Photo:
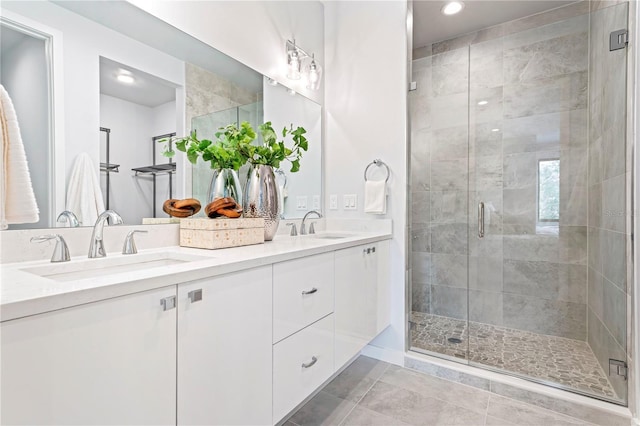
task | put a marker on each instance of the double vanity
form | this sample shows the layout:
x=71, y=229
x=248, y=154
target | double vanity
x=174, y=335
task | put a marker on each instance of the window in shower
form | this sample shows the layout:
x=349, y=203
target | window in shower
x=549, y=191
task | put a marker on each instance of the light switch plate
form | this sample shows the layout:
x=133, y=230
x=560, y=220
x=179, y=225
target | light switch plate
x=333, y=202
x=350, y=201
x=301, y=202
x=316, y=202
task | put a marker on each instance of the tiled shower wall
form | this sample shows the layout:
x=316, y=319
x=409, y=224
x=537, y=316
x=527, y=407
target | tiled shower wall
x=608, y=177
x=533, y=74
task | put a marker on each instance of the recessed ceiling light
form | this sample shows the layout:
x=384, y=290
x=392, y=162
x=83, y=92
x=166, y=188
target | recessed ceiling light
x=481, y=103
x=452, y=8
x=125, y=78
x=495, y=130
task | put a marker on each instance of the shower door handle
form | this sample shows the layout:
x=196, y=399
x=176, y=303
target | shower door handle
x=481, y=220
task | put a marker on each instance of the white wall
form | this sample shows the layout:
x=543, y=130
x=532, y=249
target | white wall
x=24, y=76
x=282, y=110
x=84, y=42
x=132, y=128
x=252, y=32
x=365, y=103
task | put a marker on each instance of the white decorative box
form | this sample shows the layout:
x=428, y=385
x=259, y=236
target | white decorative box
x=221, y=233
x=159, y=220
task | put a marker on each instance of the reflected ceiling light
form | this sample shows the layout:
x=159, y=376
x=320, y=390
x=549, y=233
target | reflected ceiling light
x=452, y=7
x=271, y=82
x=295, y=58
x=125, y=78
x=482, y=103
x=291, y=92
x=495, y=130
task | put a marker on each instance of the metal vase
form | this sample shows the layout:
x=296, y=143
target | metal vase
x=261, y=198
x=225, y=183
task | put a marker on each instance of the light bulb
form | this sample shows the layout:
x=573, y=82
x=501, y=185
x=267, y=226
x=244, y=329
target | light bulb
x=452, y=8
x=125, y=78
x=293, y=72
x=315, y=73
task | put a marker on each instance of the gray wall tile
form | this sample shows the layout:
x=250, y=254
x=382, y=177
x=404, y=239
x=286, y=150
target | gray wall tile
x=545, y=316
x=449, y=301
x=546, y=280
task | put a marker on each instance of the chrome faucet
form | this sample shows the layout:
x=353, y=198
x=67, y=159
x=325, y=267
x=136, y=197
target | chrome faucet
x=68, y=217
x=303, y=229
x=96, y=247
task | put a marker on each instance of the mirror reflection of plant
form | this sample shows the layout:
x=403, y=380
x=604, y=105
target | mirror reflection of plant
x=271, y=152
x=224, y=153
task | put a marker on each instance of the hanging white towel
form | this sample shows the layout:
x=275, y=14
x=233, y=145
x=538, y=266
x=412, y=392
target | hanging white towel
x=375, y=197
x=84, y=196
x=17, y=199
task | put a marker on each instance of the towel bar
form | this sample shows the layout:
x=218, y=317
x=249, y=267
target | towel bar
x=377, y=162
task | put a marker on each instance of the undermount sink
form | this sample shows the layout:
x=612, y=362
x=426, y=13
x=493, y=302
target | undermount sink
x=329, y=236
x=89, y=268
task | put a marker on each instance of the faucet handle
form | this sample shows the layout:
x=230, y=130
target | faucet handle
x=129, y=243
x=294, y=231
x=60, y=252
x=312, y=228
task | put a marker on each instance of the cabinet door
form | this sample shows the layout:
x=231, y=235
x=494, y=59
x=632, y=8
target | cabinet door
x=109, y=362
x=225, y=350
x=356, y=309
x=383, y=280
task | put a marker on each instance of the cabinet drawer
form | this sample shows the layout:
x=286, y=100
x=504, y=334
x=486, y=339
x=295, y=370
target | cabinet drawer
x=293, y=377
x=303, y=292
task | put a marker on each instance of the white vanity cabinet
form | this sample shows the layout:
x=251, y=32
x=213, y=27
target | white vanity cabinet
x=225, y=349
x=303, y=330
x=107, y=362
x=362, y=300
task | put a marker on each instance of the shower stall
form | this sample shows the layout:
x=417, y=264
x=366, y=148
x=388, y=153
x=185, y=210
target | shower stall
x=520, y=200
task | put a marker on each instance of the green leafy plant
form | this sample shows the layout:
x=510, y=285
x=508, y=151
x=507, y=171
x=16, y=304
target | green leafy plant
x=224, y=153
x=272, y=151
x=234, y=147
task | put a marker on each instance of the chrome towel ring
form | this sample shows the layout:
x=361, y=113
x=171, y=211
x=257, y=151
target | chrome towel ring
x=379, y=163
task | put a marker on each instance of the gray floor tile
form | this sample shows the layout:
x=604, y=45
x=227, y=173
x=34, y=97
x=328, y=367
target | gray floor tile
x=414, y=408
x=455, y=393
x=505, y=409
x=322, y=409
x=361, y=416
x=356, y=379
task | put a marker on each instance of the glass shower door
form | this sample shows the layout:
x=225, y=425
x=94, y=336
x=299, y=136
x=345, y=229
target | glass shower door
x=439, y=197
x=548, y=223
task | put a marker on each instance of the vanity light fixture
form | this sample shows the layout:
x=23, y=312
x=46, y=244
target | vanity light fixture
x=295, y=58
x=452, y=7
x=315, y=73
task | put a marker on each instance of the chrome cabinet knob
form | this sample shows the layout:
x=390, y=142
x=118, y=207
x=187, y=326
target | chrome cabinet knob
x=195, y=295
x=168, y=303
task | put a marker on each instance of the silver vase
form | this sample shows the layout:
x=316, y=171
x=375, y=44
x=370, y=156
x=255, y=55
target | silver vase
x=261, y=198
x=225, y=183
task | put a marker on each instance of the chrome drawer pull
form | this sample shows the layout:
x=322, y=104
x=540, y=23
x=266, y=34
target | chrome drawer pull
x=195, y=295
x=313, y=290
x=168, y=303
x=310, y=363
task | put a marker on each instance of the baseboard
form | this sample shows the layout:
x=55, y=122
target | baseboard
x=384, y=354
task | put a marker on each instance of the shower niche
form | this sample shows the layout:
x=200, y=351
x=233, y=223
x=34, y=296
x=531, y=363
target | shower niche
x=520, y=231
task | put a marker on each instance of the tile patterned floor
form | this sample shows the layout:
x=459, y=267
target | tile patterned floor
x=371, y=392
x=565, y=361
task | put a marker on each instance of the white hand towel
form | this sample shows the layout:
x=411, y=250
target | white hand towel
x=17, y=199
x=375, y=197
x=84, y=196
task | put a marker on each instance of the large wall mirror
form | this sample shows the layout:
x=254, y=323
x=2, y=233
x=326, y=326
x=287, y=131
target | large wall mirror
x=96, y=84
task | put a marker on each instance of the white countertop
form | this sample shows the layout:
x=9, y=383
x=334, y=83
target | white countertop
x=24, y=293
